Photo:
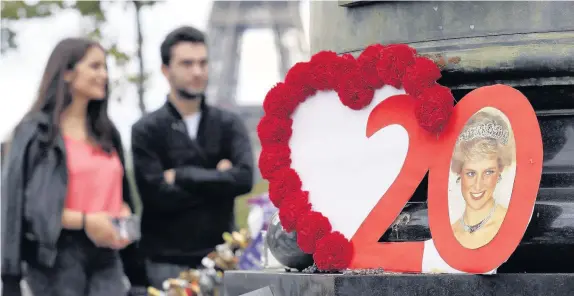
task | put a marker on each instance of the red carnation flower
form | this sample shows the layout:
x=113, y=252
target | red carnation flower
x=296, y=74
x=372, y=52
x=311, y=227
x=346, y=65
x=423, y=74
x=298, y=80
x=292, y=207
x=434, y=107
x=274, y=158
x=323, y=70
x=354, y=91
x=348, y=57
x=368, y=64
x=285, y=182
x=280, y=101
x=324, y=57
x=393, y=63
x=334, y=252
x=274, y=130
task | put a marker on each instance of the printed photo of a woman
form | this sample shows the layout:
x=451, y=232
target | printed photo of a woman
x=483, y=153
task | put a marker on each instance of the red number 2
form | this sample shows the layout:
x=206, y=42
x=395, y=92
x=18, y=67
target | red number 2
x=426, y=152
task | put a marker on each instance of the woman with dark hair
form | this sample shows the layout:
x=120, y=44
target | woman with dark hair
x=64, y=183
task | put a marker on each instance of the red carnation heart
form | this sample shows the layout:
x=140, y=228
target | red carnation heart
x=355, y=81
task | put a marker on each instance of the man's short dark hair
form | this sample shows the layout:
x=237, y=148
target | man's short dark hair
x=181, y=34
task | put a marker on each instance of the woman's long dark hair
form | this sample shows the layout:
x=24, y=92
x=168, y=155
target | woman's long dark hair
x=54, y=94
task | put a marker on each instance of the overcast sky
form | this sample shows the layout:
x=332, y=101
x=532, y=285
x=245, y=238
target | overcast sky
x=21, y=70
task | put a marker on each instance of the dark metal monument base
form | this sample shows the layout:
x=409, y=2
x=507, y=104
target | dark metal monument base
x=275, y=283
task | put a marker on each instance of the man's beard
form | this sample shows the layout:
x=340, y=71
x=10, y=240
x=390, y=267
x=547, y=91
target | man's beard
x=189, y=96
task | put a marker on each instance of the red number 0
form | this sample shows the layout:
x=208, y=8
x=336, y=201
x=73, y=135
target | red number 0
x=426, y=152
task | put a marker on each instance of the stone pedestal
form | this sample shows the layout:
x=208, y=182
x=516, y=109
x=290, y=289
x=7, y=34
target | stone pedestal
x=277, y=283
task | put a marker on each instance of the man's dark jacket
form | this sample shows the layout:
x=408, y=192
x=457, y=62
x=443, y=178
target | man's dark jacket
x=34, y=188
x=182, y=222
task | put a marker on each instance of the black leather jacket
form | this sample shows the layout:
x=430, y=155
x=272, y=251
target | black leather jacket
x=34, y=187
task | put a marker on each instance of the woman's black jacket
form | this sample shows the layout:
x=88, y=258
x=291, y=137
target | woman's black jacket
x=34, y=187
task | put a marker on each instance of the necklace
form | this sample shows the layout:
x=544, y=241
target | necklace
x=475, y=227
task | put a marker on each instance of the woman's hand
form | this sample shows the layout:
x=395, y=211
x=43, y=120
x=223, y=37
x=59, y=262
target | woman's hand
x=122, y=242
x=99, y=227
x=101, y=231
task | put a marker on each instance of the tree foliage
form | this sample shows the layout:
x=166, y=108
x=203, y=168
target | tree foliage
x=92, y=12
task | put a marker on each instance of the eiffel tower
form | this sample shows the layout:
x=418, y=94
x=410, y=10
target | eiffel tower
x=228, y=21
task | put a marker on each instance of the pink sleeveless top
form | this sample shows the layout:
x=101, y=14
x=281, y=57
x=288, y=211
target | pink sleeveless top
x=94, y=179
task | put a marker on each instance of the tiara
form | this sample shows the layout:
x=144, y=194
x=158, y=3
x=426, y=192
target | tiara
x=486, y=130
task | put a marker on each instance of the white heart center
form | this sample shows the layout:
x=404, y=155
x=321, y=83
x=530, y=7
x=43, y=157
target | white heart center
x=345, y=172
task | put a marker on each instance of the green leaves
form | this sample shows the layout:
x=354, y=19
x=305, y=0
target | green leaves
x=120, y=57
x=136, y=78
x=90, y=8
x=15, y=10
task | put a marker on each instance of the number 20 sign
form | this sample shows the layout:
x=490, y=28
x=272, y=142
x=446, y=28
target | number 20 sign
x=358, y=167
x=471, y=251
